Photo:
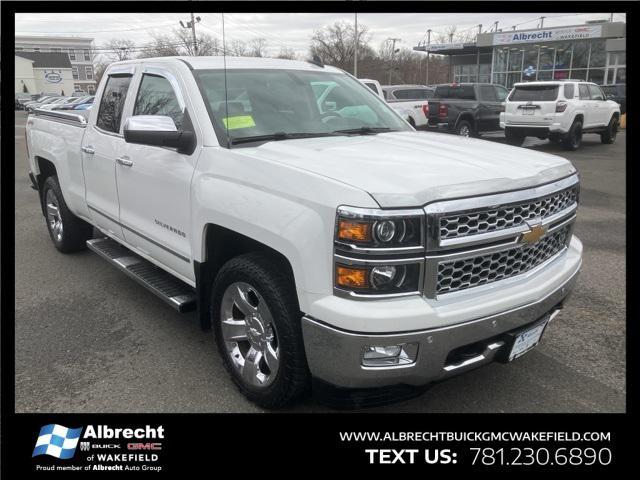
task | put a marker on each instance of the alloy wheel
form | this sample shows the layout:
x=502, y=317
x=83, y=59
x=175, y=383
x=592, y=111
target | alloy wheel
x=249, y=334
x=53, y=215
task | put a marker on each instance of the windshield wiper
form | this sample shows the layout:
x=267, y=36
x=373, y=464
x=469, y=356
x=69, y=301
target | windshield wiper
x=365, y=130
x=279, y=136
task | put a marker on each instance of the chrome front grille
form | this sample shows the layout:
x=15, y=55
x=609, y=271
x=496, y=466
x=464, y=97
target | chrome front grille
x=484, y=221
x=482, y=269
x=476, y=241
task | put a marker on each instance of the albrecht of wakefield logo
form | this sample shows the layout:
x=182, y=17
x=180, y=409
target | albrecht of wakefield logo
x=57, y=441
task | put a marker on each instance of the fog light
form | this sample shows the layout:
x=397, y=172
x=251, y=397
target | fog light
x=389, y=355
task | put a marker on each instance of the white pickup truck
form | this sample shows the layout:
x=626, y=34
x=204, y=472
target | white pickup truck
x=410, y=101
x=335, y=244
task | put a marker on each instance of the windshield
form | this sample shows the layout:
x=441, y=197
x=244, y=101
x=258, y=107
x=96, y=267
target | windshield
x=262, y=103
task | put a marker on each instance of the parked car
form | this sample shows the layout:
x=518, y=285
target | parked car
x=31, y=106
x=83, y=106
x=561, y=111
x=57, y=103
x=76, y=102
x=618, y=94
x=79, y=93
x=334, y=244
x=21, y=99
x=408, y=100
x=467, y=109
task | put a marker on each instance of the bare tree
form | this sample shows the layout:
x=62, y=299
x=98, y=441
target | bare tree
x=257, y=47
x=335, y=44
x=237, y=48
x=99, y=66
x=287, y=53
x=180, y=42
x=118, y=49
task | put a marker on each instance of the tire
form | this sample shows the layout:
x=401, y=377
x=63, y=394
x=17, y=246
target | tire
x=464, y=129
x=610, y=134
x=412, y=122
x=68, y=233
x=271, y=333
x=573, y=139
x=513, y=138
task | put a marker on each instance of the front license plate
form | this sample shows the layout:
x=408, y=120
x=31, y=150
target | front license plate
x=526, y=340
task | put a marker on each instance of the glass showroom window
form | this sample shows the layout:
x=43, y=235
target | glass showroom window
x=616, y=68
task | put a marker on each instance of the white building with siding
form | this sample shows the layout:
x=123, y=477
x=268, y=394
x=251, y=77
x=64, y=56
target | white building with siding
x=79, y=50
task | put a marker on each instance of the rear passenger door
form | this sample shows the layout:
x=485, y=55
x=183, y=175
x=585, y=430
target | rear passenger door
x=101, y=145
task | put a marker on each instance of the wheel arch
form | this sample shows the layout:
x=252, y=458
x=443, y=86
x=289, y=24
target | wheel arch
x=219, y=245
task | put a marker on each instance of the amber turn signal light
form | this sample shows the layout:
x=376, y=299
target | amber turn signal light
x=358, y=231
x=351, y=277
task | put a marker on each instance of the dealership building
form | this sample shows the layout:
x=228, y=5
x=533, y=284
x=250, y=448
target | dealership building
x=594, y=51
x=43, y=73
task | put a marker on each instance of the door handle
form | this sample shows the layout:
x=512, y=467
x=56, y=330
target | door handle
x=124, y=161
x=88, y=149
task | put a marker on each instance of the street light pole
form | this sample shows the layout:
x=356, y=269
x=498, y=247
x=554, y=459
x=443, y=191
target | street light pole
x=393, y=54
x=192, y=26
x=428, y=53
x=355, y=52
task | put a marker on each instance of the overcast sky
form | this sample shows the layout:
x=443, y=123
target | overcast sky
x=282, y=30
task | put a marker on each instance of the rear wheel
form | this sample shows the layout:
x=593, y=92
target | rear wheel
x=573, y=139
x=68, y=233
x=256, y=323
x=610, y=134
x=464, y=129
x=513, y=138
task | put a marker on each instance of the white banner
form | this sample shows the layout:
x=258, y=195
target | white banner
x=445, y=46
x=548, y=35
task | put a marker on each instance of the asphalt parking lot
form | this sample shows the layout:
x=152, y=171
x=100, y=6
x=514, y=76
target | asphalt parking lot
x=88, y=339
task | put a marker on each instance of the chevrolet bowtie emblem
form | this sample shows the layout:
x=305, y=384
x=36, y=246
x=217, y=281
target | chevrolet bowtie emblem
x=534, y=234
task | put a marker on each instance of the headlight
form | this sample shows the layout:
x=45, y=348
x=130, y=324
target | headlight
x=378, y=253
x=379, y=228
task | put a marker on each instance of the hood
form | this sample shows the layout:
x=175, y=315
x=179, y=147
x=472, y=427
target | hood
x=409, y=169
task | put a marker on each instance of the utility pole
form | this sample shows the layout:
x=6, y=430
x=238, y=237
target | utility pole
x=611, y=18
x=542, y=22
x=393, y=54
x=496, y=27
x=355, y=52
x=192, y=26
x=428, y=53
x=479, y=29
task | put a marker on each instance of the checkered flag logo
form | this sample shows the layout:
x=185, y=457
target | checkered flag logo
x=57, y=441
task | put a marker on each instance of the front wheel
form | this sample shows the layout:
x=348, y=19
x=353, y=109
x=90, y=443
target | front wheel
x=68, y=232
x=257, y=329
x=610, y=134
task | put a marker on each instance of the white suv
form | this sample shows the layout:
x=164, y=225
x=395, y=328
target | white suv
x=559, y=110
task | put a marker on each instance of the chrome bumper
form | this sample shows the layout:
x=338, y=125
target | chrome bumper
x=335, y=356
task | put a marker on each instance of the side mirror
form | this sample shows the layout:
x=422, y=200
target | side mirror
x=159, y=131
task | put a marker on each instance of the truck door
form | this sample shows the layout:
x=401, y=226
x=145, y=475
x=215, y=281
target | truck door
x=489, y=108
x=101, y=145
x=600, y=107
x=154, y=183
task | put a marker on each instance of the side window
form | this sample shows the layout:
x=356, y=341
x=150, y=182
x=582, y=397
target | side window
x=112, y=102
x=569, y=90
x=595, y=92
x=402, y=94
x=584, y=92
x=501, y=93
x=442, y=92
x=487, y=93
x=156, y=97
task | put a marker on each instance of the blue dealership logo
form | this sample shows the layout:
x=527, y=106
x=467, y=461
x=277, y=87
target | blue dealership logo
x=57, y=441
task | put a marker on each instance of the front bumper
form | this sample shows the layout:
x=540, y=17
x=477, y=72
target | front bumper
x=335, y=355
